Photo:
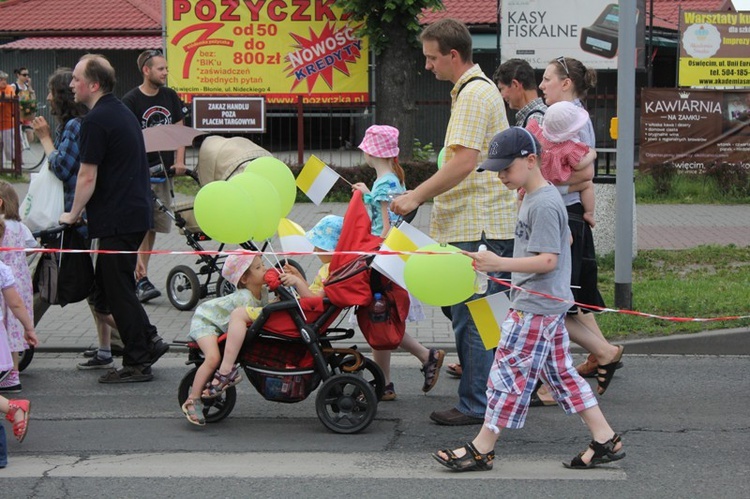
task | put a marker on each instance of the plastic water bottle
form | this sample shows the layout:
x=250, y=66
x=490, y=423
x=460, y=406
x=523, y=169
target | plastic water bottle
x=379, y=308
x=481, y=282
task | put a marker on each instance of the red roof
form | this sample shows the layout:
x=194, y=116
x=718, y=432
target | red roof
x=666, y=12
x=468, y=11
x=80, y=15
x=146, y=15
x=86, y=43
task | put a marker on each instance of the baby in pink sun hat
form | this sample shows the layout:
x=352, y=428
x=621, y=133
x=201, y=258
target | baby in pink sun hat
x=563, y=153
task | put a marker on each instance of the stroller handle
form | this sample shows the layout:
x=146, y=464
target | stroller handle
x=51, y=231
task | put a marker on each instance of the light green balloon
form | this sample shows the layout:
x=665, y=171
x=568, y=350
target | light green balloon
x=441, y=158
x=224, y=212
x=264, y=199
x=440, y=280
x=282, y=178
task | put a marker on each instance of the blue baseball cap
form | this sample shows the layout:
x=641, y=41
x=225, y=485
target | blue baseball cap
x=506, y=146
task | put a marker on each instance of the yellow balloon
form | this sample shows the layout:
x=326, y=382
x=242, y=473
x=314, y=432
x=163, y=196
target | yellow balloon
x=224, y=212
x=440, y=280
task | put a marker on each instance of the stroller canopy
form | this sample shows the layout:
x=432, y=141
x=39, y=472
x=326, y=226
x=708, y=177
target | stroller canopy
x=220, y=158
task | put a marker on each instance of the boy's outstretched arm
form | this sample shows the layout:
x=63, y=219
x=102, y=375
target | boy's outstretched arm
x=487, y=261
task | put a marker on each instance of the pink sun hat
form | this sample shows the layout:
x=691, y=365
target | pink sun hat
x=235, y=267
x=381, y=141
x=563, y=120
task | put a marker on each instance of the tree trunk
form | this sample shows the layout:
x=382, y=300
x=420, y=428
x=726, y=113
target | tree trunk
x=395, y=82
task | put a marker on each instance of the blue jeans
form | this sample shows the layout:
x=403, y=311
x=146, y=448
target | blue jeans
x=3, y=448
x=474, y=358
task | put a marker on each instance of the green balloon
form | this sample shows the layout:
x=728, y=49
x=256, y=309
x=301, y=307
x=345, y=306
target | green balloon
x=282, y=178
x=441, y=158
x=224, y=212
x=440, y=280
x=264, y=199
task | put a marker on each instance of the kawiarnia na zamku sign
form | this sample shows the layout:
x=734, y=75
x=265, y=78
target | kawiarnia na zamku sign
x=279, y=49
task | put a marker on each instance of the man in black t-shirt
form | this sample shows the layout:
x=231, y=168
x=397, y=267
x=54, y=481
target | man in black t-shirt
x=113, y=187
x=154, y=104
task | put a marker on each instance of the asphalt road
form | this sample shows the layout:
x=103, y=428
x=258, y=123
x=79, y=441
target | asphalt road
x=684, y=421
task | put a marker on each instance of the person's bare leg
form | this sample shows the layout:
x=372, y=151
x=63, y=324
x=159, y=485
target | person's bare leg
x=236, y=332
x=599, y=428
x=141, y=267
x=383, y=359
x=414, y=347
x=584, y=331
x=210, y=348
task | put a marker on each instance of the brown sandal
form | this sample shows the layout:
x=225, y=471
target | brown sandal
x=223, y=381
x=431, y=368
x=473, y=460
x=193, y=411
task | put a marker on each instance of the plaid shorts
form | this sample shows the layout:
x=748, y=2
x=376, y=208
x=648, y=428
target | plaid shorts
x=532, y=345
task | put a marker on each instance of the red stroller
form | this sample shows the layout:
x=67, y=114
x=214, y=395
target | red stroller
x=286, y=355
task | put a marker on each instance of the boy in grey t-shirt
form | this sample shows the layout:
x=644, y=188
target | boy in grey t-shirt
x=534, y=340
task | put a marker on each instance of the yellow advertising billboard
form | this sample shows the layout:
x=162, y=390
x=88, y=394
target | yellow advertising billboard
x=714, y=49
x=279, y=49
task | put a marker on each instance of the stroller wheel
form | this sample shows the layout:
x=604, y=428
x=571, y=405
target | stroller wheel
x=183, y=287
x=24, y=358
x=224, y=287
x=346, y=403
x=215, y=409
x=370, y=372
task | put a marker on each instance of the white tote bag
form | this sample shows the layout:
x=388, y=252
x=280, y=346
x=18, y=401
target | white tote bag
x=45, y=201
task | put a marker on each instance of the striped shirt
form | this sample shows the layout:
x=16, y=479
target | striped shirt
x=480, y=202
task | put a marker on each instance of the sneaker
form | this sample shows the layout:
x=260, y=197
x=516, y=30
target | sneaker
x=11, y=383
x=146, y=291
x=96, y=362
x=128, y=374
x=157, y=348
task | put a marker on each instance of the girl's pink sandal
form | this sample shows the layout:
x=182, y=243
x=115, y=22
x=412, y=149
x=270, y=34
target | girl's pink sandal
x=19, y=427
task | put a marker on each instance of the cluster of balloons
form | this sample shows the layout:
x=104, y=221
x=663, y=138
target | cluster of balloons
x=440, y=280
x=248, y=206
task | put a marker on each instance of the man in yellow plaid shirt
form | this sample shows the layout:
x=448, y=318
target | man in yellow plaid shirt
x=470, y=208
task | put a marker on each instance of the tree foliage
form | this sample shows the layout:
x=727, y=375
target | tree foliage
x=378, y=14
x=392, y=27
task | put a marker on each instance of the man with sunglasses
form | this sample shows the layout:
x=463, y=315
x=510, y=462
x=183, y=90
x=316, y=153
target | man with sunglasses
x=154, y=104
x=27, y=97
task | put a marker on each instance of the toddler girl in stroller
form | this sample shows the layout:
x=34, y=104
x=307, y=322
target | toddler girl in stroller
x=324, y=237
x=211, y=318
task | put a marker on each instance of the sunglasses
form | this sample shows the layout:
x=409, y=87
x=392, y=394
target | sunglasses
x=24, y=74
x=151, y=55
x=564, y=64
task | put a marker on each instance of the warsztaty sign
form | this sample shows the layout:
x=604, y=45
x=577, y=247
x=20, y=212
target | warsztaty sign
x=714, y=49
x=229, y=114
x=694, y=128
x=278, y=48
